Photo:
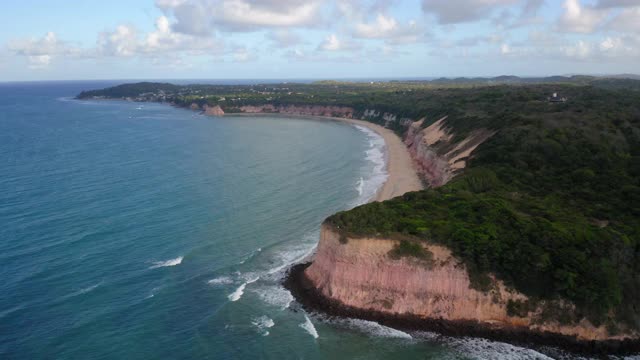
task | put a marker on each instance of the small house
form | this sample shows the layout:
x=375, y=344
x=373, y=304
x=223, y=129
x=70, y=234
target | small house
x=554, y=98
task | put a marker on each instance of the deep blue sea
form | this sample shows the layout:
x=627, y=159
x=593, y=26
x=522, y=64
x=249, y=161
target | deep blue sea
x=143, y=231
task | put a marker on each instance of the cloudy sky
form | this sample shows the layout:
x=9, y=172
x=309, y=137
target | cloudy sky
x=277, y=39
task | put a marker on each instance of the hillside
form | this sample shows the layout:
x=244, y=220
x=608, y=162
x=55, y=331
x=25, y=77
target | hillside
x=548, y=202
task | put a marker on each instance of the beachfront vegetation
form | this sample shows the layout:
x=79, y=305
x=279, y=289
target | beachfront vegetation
x=550, y=203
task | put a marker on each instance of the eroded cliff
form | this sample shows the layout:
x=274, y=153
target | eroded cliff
x=437, y=157
x=363, y=274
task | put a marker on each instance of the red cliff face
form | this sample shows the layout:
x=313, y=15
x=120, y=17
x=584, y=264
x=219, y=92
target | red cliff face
x=213, y=110
x=437, y=158
x=361, y=274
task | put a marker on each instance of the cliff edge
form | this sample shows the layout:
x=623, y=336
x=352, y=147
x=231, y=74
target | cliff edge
x=361, y=277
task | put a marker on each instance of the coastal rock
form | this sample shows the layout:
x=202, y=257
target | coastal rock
x=437, y=158
x=213, y=110
x=359, y=273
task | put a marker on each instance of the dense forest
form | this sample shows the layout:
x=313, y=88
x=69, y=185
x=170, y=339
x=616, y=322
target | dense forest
x=550, y=203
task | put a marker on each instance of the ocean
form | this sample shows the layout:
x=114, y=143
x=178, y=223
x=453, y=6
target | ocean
x=144, y=231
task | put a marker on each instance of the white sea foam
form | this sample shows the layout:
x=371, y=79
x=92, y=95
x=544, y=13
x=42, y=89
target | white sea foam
x=78, y=292
x=88, y=288
x=222, y=280
x=296, y=254
x=153, y=291
x=251, y=255
x=482, y=349
x=263, y=323
x=376, y=154
x=371, y=328
x=171, y=262
x=275, y=295
x=236, y=295
x=308, y=326
x=360, y=186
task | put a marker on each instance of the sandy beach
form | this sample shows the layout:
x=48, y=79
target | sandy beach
x=402, y=174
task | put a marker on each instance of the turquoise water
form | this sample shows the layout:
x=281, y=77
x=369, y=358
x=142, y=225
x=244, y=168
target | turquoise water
x=140, y=231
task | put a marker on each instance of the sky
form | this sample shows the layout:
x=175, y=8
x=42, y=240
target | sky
x=315, y=39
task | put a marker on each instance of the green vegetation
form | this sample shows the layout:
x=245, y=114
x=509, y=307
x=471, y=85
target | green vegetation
x=408, y=248
x=518, y=308
x=550, y=203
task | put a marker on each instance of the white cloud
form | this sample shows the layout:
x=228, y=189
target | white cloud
x=39, y=61
x=628, y=20
x=580, y=50
x=201, y=17
x=334, y=43
x=283, y=38
x=125, y=41
x=40, y=52
x=460, y=11
x=319, y=56
x=241, y=54
x=581, y=19
x=387, y=28
x=616, y=3
x=528, y=15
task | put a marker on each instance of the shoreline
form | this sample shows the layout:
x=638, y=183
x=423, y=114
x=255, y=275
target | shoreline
x=401, y=171
x=312, y=300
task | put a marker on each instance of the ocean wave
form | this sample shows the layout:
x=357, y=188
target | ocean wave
x=82, y=291
x=88, y=289
x=292, y=257
x=371, y=328
x=4, y=313
x=236, y=295
x=171, y=262
x=275, y=295
x=153, y=292
x=293, y=254
x=251, y=255
x=376, y=155
x=307, y=325
x=222, y=280
x=481, y=349
x=263, y=323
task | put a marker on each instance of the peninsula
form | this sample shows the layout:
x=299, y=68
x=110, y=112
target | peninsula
x=528, y=230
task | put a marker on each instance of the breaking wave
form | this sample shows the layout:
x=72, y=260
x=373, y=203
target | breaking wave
x=275, y=295
x=263, y=323
x=171, y=262
x=376, y=154
x=236, y=295
x=222, y=280
x=307, y=325
x=371, y=328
